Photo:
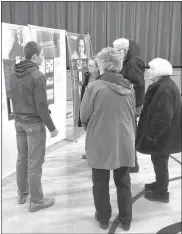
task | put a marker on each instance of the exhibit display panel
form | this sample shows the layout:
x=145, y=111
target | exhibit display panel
x=14, y=38
x=79, y=46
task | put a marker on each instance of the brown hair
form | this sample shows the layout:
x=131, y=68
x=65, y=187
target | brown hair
x=31, y=48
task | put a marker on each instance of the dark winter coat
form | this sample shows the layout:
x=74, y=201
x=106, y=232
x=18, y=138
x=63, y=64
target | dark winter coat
x=133, y=70
x=29, y=97
x=159, y=128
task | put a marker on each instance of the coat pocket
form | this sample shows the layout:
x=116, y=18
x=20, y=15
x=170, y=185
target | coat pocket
x=147, y=145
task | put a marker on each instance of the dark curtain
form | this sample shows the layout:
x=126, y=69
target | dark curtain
x=156, y=26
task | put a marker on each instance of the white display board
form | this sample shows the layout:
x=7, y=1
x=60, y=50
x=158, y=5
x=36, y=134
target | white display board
x=54, y=47
x=14, y=37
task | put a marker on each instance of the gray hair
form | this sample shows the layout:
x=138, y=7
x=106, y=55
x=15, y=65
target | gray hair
x=110, y=60
x=162, y=67
x=121, y=43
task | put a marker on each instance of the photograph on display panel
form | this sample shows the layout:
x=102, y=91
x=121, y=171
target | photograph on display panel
x=17, y=47
x=13, y=43
x=14, y=38
x=50, y=42
x=79, y=46
x=49, y=75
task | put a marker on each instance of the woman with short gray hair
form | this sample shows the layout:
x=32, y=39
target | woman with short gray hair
x=108, y=115
x=110, y=60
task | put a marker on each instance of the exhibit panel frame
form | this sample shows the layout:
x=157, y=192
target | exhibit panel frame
x=80, y=51
x=14, y=38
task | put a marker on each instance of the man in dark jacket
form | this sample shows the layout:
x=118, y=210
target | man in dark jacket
x=133, y=70
x=31, y=114
x=159, y=127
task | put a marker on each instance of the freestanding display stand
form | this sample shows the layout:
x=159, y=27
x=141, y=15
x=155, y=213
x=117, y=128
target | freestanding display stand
x=79, y=47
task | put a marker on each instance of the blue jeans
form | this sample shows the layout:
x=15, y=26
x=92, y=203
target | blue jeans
x=31, y=143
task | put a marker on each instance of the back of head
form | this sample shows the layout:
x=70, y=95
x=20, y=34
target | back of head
x=121, y=44
x=134, y=49
x=109, y=60
x=161, y=67
x=31, y=48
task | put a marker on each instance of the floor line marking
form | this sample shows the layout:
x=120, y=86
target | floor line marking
x=175, y=159
x=115, y=223
x=135, y=198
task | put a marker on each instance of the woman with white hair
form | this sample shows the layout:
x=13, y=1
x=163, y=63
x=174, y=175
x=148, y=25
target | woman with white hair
x=159, y=128
x=108, y=114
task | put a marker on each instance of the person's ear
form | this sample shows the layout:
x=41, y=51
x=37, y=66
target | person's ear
x=34, y=56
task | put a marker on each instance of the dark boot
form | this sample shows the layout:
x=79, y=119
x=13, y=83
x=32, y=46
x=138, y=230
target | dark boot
x=151, y=186
x=126, y=226
x=154, y=195
x=103, y=224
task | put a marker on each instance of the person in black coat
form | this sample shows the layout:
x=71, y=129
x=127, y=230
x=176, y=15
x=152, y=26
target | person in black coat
x=159, y=127
x=133, y=70
x=89, y=77
x=16, y=53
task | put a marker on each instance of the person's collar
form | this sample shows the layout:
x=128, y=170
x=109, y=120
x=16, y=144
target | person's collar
x=95, y=74
x=161, y=80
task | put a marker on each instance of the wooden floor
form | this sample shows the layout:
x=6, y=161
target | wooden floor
x=67, y=178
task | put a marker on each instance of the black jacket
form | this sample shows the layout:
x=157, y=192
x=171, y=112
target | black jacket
x=29, y=97
x=85, y=83
x=159, y=128
x=133, y=70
